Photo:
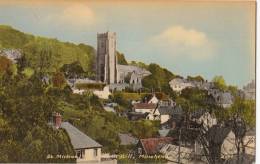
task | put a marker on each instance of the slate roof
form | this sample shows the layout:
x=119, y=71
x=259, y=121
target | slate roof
x=127, y=139
x=136, y=115
x=198, y=113
x=144, y=106
x=78, y=139
x=170, y=110
x=153, y=145
x=130, y=68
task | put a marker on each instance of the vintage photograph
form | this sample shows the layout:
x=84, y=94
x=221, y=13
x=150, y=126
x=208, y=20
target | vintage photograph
x=128, y=81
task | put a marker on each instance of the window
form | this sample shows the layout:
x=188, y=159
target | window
x=80, y=153
x=95, y=152
x=139, y=150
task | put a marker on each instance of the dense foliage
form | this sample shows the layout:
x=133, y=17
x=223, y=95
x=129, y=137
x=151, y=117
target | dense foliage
x=121, y=58
x=25, y=109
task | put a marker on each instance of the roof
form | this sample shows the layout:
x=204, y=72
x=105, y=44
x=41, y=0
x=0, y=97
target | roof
x=136, y=115
x=170, y=110
x=144, y=106
x=127, y=139
x=131, y=68
x=153, y=145
x=198, y=113
x=79, y=139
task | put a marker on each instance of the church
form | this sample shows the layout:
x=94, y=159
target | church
x=109, y=71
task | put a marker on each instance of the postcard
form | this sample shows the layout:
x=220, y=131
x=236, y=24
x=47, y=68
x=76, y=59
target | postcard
x=109, y=81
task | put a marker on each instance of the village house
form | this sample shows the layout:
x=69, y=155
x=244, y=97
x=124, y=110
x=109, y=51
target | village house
x=165, y=113
x=152, y=146
x=249, y=91
x=222, y=98
x=102, y=93
x=86, y=149
x=229, y=149
x=145, y=108
x=178, y=84
x=204, y=118
x=153, y=100
x=175, y=121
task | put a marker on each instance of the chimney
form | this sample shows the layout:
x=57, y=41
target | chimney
x=57, y=120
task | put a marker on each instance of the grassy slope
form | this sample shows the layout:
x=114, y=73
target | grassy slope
x=65, y=51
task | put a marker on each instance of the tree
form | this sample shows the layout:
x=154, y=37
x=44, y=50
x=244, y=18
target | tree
x=73, y=70
x=25, y=110
x=5, y=65
x=219, y=82
x=121, y=58
x=58, y=80
x=196, y=78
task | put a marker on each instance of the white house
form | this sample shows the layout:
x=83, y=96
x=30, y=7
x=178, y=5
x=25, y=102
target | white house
x=164, y=113
x=153, y=100
x=229, y=150
x=178, y=84
x=87, y=150
x=144, y=107
x=205, y=118
x=104, y=94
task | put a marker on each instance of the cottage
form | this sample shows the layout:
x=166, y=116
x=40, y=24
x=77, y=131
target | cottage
x=178, y=84
x=144, y=107
x=153, y=100
x=223, y=99
x=152, y=146
x=164, y=113
x=204, y=118
x=87, y=150
x=103, y=94
x=249, y=91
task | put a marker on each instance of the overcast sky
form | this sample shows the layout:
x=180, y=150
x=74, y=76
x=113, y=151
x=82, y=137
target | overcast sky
x=188, y=38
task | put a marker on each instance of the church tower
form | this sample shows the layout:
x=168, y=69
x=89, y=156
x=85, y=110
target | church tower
x=106, y=69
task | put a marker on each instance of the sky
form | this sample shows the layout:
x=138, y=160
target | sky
x=205, y=38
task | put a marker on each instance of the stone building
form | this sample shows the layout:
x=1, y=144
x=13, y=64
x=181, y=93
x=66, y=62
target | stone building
x=110, y=72
x=106, y=58
x=249, y=91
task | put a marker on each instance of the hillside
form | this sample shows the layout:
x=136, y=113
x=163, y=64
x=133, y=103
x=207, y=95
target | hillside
x=63, y=52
